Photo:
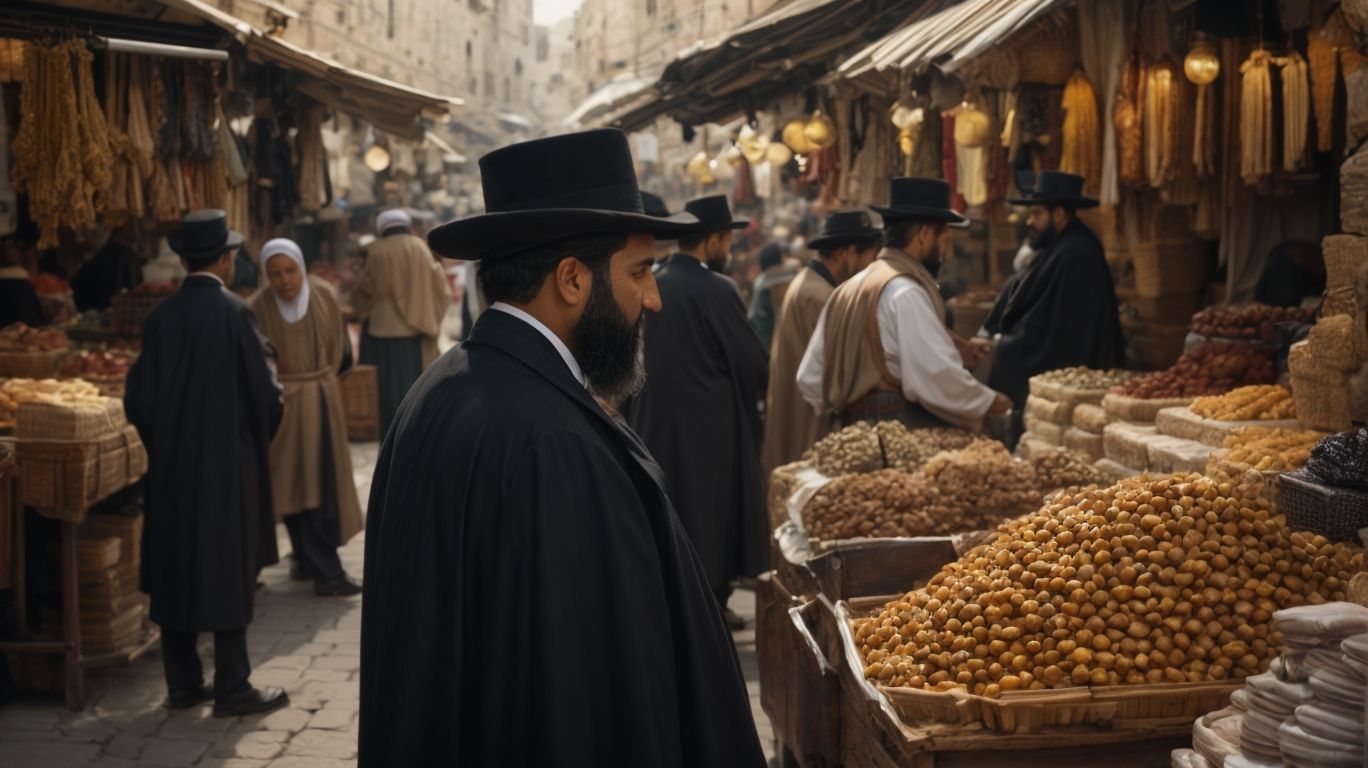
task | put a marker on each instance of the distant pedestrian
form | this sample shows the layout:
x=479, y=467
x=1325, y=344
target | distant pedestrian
x=311, y=469
x=776, y=273
x=402, y=295
x=699, y=412
x=206, y=404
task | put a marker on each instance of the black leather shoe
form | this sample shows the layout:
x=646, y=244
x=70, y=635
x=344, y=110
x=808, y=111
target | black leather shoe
x=188, y=699
x=341, y=587
x=299, y=571
x=252, y=701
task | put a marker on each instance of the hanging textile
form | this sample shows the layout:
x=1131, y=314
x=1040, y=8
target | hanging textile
x=949, y=169
x=1128, y=118
x=312, y=159
x=1256, y=117
x=1102, y=49
x=1204, y=132
x=1182, y=187
x=1082, y=153
x=973, y=134
x=999, y=173
x=1161, y=123
x=926, y=154
x=1296, y=103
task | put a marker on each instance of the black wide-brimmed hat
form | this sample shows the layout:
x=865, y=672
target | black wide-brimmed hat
x=1056, y=188
x=540, y=191
x=915, y=197
x=203, y=235
x=713, y=214
x=842, y=228
x=654, y=205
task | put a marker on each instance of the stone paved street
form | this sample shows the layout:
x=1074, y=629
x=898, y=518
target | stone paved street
x=308, y=645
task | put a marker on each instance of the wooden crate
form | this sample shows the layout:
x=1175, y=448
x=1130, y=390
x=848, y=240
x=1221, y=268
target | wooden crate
x=361, y=401
x=799, y=688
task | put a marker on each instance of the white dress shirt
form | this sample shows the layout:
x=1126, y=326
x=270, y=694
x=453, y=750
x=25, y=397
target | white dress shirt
x=564, y=351
x=918, y=350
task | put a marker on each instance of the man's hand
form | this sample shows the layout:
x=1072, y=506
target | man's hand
x=969, y=352
x=1001, y=404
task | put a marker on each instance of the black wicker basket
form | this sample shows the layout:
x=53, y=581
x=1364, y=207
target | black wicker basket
x=1335, y=513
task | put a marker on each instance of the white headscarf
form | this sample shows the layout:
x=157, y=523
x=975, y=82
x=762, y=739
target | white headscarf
x=292, y=311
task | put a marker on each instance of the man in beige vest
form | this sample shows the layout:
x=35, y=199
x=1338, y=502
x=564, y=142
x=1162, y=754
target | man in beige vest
x=846, y=245
x=402, y=295
x=881, y=349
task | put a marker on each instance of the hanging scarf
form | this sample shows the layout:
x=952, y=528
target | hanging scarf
x=1129, y=119
x=1296, y=103
x=1204, y=133
x=1161, y=123
x=1256, y=118
x=292, y=310
x=1082, y=153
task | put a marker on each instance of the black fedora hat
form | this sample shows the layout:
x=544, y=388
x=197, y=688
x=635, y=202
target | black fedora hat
x=540, y=191
x=842, y=228
x=654, y=205
x=203, y=235
x=1056, y=188
x=916, y=197
x=713, y=214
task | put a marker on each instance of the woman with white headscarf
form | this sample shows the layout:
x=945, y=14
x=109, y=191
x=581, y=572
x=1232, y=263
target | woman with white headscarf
x=311, y=471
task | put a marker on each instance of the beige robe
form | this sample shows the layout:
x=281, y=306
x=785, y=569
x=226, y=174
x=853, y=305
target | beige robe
x=402, y=292
x=309, y=355
x=791, y=425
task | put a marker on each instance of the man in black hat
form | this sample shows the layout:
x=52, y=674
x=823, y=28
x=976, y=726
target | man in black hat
x=881, y=349
x=1061, y=310
x=206, y=405
x=847, y=244
x=524, y=564
x=699, y=411
x=654, y=205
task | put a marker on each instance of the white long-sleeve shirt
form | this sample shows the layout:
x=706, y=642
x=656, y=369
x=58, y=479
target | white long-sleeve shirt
x=918, y=350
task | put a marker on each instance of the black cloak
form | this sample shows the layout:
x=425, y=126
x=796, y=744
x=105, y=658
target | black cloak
x=19, y=303
x=206, y=405
x=1060, y=311
x=706, y=373
x=530, y=596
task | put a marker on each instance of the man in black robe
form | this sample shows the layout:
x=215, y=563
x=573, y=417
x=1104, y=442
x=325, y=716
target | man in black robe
x=115, y=267
x=18, y=298
x=206, y=404
x=530, y=596
x=699, y=411
x=1061, y=310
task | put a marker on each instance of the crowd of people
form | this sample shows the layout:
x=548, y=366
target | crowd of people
x=564, y=502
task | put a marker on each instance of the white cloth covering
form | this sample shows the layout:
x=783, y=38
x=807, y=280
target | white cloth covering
x=570, y=361
x=394, y=217
x=292, y=310
x=917, y=349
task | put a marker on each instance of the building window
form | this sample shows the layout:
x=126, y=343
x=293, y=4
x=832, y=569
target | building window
x=650, y=7
x=517, y=66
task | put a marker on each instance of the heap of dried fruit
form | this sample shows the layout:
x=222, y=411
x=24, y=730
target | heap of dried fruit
x=886, y=503
x=1062, y=468
x=1254, y=321
x=1269, y=450
x=853, y=449
x=1173, y=579
x=18, y=337
x=1254, y=403
x=1211, y=369
x=982, y=484
x=1087, y=378
x=865, y=447
x=910, y=448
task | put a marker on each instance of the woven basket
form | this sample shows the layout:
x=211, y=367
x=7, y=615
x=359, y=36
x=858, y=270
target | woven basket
x=1167, y=267
x=40, y=421
x=31, y=365
x=1090, y=418
x=1086, y=443
x=361, y=400
x=128, y=311
x=1049, y=410
x=1139, y=410
x=1335, y=513
x=1048, y=431
x=63, y=479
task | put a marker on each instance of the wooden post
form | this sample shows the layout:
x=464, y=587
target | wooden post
x=71, y=620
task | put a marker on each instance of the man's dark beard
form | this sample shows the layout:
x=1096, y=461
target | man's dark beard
x=1040, y=240
x=607, y=346
x=718, y=264
x=933, y=265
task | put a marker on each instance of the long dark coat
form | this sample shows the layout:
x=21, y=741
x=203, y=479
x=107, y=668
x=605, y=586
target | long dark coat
x=530, y=596
x=1060, y=311
x=206, y=405
x=706, y=373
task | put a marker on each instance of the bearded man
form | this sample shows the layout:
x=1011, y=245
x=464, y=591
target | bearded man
x=699, y=413
x=523, y=561
x=1061, y=310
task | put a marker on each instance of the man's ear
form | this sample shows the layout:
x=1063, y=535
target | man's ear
x=572, y=280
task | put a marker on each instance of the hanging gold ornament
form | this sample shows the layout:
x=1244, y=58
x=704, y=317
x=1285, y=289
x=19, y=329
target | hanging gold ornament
x=377, y=158
x=1202, y=65
x=820, y=130
x=795, y=138
x=733, y=156
x=721, y=169
x=753, y=145
x=778, y=153
x=907, y=141
x=697, y=165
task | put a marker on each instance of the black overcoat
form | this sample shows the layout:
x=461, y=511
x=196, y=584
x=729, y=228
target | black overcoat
x=206, y=404
x=530, y=597
x=1061, y=311
x=706, y=374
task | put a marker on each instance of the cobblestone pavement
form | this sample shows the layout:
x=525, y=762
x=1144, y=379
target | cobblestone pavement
x=309, y=646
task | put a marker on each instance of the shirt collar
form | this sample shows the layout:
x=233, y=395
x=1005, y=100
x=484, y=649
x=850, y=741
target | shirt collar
x=817, y=266
x=209, y=275
x=564, y=351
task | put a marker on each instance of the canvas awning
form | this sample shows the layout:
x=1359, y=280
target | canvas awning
x=392, y=107
x=618, y=92
x=949, y=38
x=788, y=48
